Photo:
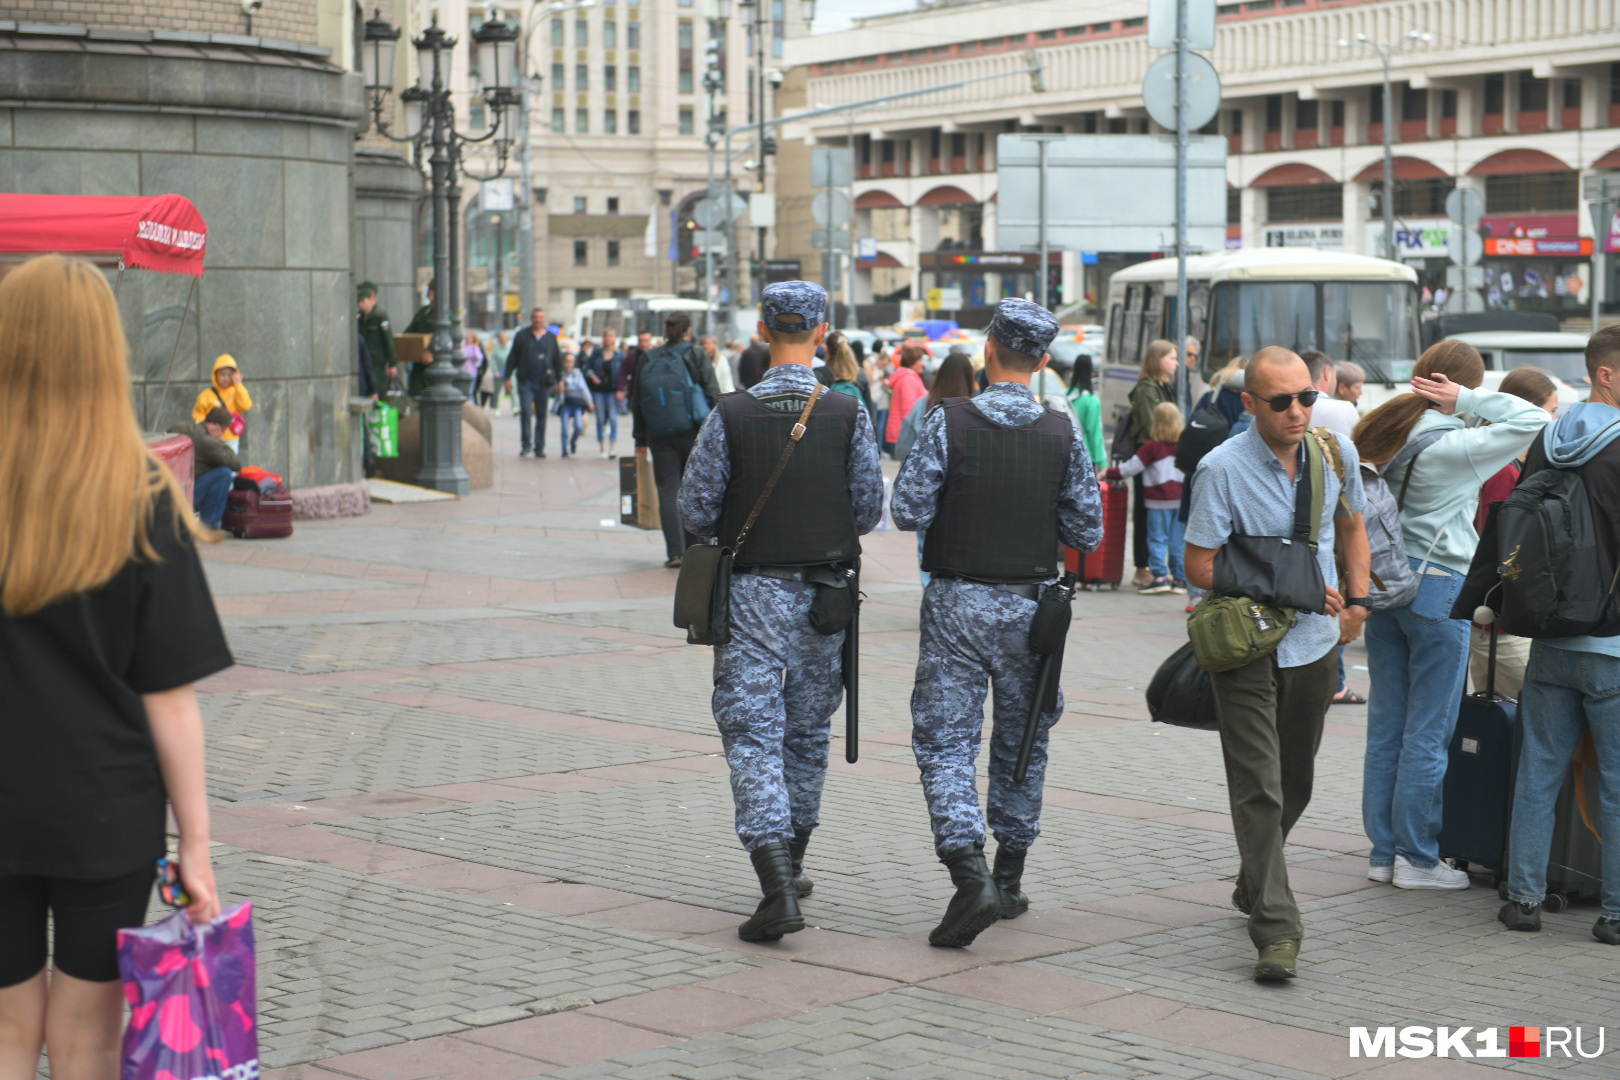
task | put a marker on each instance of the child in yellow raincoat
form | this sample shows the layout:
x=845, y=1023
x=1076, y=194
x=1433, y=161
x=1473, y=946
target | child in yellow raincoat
x=229, y=391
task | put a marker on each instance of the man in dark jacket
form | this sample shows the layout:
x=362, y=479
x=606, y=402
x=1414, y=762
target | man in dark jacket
x=537, y=361
x=216, y=464
x=671, y=449
x=378, y=335
x=753, y=362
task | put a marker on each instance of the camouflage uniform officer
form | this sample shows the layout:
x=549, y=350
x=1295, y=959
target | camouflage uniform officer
x=374, y=327
x=997, y=481
x=778, y=681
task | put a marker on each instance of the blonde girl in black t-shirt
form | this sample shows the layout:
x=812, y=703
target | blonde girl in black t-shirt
x=105, y=623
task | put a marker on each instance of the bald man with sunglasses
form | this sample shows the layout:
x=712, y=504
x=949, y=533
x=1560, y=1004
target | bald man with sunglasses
x=1271, y=709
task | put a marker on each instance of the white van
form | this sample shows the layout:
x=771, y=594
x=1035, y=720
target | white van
x=1563, y=356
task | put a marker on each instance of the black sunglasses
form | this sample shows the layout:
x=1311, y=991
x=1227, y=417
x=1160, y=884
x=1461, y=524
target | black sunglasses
x=1281, y=402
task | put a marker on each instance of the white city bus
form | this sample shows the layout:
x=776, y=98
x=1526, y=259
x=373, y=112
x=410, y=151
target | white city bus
x=1352, y=307
x=628, y=316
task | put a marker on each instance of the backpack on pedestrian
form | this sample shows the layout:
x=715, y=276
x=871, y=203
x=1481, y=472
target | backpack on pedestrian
x=1555, y=578
x=1206, y=429
x=671, y=402
x=1393, y=581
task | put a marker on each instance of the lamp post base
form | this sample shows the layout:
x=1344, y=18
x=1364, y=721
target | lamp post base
x=441, y=432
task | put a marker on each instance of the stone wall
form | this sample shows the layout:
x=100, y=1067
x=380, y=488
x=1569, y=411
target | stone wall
x=261, y=140
x=285, y=20
x=387, y=193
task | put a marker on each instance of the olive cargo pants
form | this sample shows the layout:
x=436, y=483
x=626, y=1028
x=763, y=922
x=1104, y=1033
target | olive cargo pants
x=1271, y=725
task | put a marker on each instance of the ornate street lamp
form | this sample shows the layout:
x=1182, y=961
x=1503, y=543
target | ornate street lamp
x=428, y=117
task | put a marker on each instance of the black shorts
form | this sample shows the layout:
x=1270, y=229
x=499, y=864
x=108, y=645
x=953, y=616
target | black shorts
x=87, y=917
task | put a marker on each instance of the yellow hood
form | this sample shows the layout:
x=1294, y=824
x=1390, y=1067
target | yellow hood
x=226, y=360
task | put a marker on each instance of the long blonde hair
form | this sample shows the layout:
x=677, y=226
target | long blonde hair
x=78, y=487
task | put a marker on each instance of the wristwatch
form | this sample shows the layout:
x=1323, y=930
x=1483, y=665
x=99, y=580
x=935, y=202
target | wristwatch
x=1356, y=601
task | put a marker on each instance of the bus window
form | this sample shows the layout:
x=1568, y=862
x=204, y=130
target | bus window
x=1116, y=334
x=1374, y=323
x=1152, y=319
x=1130, y=350
x=1250, y=315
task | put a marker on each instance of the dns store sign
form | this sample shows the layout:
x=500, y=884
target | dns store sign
x=1468, y=1042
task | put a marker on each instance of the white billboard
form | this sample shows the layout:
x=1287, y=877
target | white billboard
x=1110, y=193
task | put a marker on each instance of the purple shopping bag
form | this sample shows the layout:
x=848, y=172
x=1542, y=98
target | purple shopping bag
x=191, y=999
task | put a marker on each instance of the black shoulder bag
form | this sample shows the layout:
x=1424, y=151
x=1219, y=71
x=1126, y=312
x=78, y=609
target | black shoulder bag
x=703, y=589
x=1281, y=571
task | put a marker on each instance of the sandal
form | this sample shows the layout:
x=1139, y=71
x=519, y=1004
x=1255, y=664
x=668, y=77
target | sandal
x=1348, y=696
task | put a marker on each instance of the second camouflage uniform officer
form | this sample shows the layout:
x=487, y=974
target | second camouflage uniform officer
x=999, y=482
x=778, y=680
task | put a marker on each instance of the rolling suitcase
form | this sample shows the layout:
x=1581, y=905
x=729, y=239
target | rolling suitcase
x=1106, y=565
x=254, y=515
x=1481, y=765
x=1477, y=811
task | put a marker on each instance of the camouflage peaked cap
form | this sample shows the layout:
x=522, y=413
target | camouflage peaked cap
x=1023, y=326
x=805, y=299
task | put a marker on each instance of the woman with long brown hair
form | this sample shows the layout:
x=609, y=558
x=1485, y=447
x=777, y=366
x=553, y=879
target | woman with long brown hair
x=1417, y=655
x=105, y=623
x=1153, y=387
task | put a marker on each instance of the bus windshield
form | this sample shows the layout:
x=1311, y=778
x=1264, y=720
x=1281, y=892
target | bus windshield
x=1374, y=323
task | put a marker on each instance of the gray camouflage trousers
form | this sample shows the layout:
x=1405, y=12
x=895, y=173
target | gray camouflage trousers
x=776, y=686
x=974, y=638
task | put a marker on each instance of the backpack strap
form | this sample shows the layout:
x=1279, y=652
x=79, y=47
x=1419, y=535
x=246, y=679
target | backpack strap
x=1308, y=494
x=1409, y=454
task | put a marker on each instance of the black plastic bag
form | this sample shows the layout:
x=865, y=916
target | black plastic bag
x=1182, y=693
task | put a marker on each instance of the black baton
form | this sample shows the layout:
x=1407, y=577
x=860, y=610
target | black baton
x=1048, y=633
x=852, y=674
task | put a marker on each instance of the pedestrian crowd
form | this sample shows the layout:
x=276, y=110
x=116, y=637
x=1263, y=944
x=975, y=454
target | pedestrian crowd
x=1299, y=537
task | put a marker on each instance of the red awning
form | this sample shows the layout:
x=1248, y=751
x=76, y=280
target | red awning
x=1294, y=174
x=1406, y=168
x=158, y=232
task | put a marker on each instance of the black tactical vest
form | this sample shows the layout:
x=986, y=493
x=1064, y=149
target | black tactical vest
x=809, y=519
x=997, y=517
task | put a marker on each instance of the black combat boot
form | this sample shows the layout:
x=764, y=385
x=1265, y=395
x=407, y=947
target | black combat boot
x=796, y=846
x=778, y=913
x=1009, y=878
x=976, y=904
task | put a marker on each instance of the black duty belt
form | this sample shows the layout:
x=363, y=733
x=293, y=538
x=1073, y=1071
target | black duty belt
x=1027, y=591
x=825, y=574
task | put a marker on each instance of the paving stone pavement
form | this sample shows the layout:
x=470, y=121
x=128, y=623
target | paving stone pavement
x=467, y=773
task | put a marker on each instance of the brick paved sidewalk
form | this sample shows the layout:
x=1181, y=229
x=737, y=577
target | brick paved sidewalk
x=466, y=771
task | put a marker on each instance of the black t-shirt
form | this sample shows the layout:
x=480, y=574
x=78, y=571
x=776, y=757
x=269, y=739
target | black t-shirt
x=81, y=795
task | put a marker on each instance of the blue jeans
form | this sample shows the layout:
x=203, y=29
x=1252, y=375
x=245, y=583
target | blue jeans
x=607, y=416
x=532, y=403
x=1166, y=544
x=1418, y=661
x=210, y=492
x=572, y=422
x=1564, y=691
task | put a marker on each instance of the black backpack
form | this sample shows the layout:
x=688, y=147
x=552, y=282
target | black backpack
x=1206, y=429
x=1555, y=579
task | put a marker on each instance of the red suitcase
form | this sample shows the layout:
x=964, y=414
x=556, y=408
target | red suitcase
x=250, y=515
x=1106, y=565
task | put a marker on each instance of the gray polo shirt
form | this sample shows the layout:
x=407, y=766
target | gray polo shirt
x=1242, y=489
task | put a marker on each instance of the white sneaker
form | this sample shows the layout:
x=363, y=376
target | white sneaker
x=1380, y=874
x=1438, y=876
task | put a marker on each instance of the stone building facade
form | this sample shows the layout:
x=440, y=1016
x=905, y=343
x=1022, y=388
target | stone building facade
x=146, y=98
x=1520, y=101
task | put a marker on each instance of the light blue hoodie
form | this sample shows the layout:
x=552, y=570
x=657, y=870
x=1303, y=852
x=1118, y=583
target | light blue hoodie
x=1440, y=504
x=1571, y=441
